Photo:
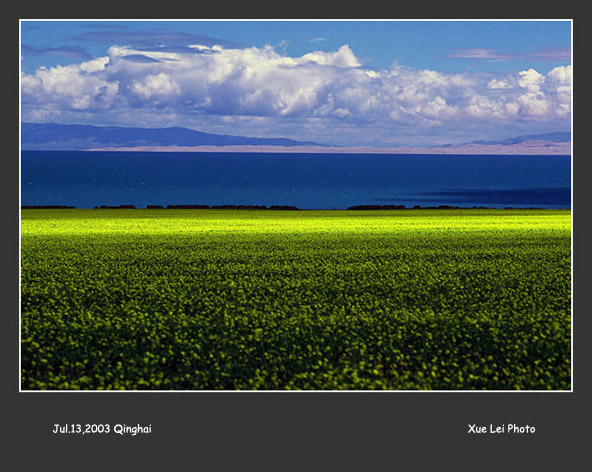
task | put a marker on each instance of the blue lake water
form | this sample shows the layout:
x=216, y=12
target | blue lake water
x=308, y=181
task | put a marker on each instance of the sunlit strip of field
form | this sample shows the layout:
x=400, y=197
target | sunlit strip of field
x=85, y=222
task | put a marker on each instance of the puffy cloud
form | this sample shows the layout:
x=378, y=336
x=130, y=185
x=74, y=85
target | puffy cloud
x=342, y=113
x=498, y=84
x=320, y=89
x=94, y=65
x=531, y=80
x=156, y=86
x=438, y=108
x=344, y=57
x=533, y=104
x=76, y=86
x=560, y=75
x=484, y=107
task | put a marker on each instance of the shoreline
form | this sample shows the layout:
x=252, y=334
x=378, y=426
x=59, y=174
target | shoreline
x=282, y=208
x=540, y=149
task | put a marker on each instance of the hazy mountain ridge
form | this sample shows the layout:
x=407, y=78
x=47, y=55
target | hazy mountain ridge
x=556, y=137
x=59, y=137
x=50, y=136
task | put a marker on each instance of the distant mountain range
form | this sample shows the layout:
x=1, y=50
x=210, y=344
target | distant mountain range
x=557, y=137
x=50, y=136
x=59, y=137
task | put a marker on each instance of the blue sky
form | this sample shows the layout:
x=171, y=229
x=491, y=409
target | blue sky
x=364, y=83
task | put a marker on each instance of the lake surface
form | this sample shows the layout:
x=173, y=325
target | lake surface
x=308, y=181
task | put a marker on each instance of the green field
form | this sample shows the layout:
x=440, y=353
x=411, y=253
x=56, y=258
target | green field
x=206, y=299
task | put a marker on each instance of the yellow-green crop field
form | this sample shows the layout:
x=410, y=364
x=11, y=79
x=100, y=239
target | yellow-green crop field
x=276, y=300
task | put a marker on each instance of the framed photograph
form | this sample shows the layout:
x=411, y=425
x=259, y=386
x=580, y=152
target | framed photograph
x=315, y=232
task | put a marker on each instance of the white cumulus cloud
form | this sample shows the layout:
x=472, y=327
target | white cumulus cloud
x=323, y=89
x=159, y=86
x=498, y=84
x=531, y=80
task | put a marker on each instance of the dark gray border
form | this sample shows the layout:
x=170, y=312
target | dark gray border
x=313, y=431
